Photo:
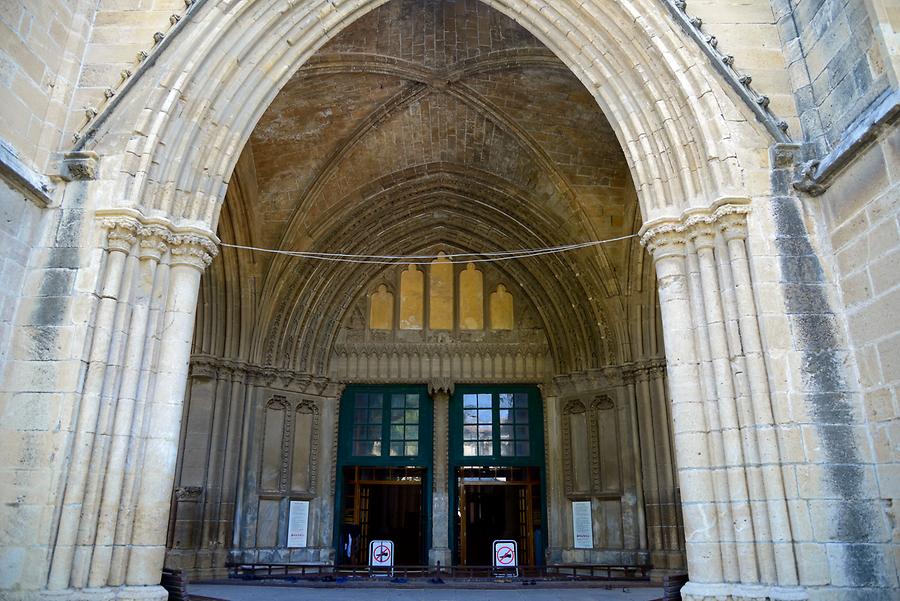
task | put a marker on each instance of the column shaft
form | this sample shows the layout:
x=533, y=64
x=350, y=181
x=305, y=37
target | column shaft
x=121, y=435
x=641, y=398
x=770, y=457
x=725, y=393
x=89, y=410
x=720, y=494
x=440, y=501
x=161, y=447
x=691, y=429
x=133, y=467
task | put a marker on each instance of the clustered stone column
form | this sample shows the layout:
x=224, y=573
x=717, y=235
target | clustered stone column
x=738, y=535
x=646, y=384
x=109, y=543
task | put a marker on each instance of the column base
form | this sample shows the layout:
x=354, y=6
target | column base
x=119, y=593
x=697, y=591
x=440, y=554
x=659, y=574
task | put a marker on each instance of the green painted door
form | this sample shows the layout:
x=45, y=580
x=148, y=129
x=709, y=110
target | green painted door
x=384, y=470
x=497, y=479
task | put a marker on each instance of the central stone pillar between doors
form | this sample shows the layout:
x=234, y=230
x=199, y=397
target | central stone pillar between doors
x=440, y=498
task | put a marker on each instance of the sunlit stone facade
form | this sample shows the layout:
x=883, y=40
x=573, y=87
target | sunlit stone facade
x=716, y=377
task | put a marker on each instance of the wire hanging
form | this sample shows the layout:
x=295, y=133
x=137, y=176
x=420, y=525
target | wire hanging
x=469, y=257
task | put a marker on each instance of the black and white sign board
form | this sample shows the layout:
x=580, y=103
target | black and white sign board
x=381, y=555
x=582, y=525
x=298, y=524
x=506, y=556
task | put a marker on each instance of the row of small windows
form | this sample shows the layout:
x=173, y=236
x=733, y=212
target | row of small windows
x=470, y=301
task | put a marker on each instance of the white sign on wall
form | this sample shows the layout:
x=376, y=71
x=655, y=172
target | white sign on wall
x=298, y=524
x=582, y=525
x=381, y=554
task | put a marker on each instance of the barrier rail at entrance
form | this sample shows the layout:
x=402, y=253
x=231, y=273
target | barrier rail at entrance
x=557, y=572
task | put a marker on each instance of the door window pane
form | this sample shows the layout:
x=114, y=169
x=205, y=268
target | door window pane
x=515, y=429
x=404, y=425
x=510, y=429
x=479, y=425
x=370, y=409
x=367, y=425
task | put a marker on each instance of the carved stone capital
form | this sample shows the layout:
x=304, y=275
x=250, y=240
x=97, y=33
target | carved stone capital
x=188, y=245
x=664, y=241
x=154, y=242
x=667, y=238
x=440, y=386
x=121, y=234
x=734, y=226
x=703, y=235
x=192, y=250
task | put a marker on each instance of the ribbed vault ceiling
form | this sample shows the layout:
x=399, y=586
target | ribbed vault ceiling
x=426, y=124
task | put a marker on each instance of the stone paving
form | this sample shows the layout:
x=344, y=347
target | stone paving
x=237, y=592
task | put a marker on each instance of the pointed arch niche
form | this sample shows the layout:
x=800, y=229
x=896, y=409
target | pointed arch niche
x=449, y=307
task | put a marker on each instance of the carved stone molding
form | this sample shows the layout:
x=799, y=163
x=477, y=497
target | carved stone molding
x=573, y=407
x=603, y=403
x=591, y=413
x=611, y=375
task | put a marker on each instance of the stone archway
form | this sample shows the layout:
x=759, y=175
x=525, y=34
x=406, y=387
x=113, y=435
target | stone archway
x=188, y=116
x=168, y=148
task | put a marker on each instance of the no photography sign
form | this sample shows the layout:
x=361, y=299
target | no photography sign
x=506, y=554
x=381, y=554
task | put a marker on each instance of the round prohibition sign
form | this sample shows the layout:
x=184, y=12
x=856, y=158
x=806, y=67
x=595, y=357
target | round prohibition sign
x=382, y=554
x=505, y=555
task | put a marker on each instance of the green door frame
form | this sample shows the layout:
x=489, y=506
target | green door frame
x=425, y=458
x=536, y=458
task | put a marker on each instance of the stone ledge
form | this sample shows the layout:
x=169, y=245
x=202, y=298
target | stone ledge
x=23, y=178
x=696, y=591
x=816, y=176
x=122, y=593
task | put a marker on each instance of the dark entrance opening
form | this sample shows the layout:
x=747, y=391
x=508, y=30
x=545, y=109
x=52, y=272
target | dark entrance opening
x=383, y=504
x=497, y=503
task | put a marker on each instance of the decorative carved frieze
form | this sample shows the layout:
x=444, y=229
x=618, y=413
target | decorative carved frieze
x=450, y=362
x=266, y=376
x=611, y=375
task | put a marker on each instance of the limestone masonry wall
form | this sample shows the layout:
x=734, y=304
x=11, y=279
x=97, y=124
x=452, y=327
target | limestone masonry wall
x=835, y=63
x=41, y=50
x=860, y=216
